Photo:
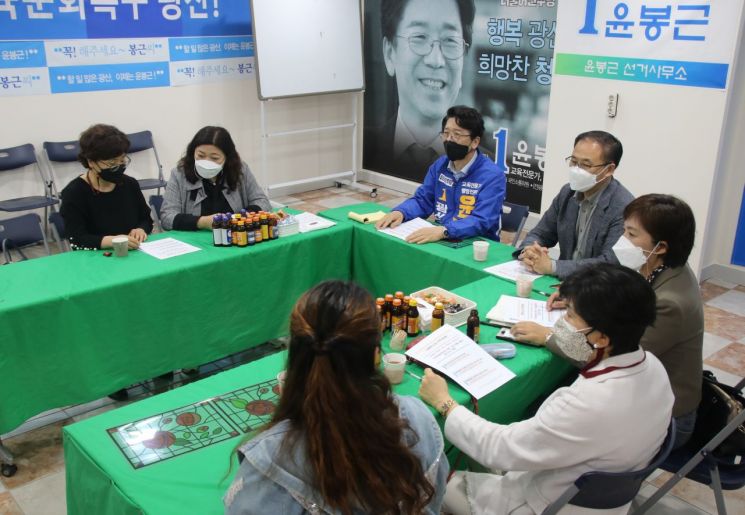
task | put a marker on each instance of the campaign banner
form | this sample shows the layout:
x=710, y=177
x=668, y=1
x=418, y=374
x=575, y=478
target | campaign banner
x=424, y=56
x=675, y=43
x=75, y=46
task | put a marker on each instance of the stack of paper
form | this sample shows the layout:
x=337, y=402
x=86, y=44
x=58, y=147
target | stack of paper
x=166, y=248
x=310, y=222
x=510, y=310
x=406, y=228
x=510, y=270
x=451, y=352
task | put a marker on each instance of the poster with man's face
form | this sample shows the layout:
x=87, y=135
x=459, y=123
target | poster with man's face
x=424, y=56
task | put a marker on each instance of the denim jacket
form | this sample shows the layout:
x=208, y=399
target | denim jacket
x=273, y=483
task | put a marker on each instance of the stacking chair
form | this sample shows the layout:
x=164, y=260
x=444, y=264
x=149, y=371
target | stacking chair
x=606, y=490
x=703, y=466
x=513, y=219
x=21, y=231
x=140, y=142
x=14, y=160
x=156, y=203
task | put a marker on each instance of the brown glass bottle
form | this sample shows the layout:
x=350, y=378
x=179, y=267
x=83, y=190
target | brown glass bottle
x=397, y=316
x=438, y=317
x=264, y=227
x=412, y=319
x=381, y=307
x=473, y=326
x=388, y=311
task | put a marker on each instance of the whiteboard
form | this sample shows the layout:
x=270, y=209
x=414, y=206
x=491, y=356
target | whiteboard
x=307, y=47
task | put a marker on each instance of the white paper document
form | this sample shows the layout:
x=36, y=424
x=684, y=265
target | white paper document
x=167, y=248
x=462, y=360
x=406, y=228
x=509, y=310
x=510, y=270
x=310, y=222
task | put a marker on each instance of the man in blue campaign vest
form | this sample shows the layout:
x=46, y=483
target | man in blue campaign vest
x=464, y=189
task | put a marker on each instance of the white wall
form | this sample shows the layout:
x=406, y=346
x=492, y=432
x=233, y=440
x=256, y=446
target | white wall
x=671, y=138
x=174, y=114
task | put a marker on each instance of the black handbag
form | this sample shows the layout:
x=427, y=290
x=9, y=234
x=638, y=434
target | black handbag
x=720, y=403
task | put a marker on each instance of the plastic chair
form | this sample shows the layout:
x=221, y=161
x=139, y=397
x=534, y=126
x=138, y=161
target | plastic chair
x=513, y=219
x=702, y=466
x=58, y=227
x=60, y=152
x=19, y=232
x=605, y=490
x=15, y=158
x=139, y=142
x=156, y=203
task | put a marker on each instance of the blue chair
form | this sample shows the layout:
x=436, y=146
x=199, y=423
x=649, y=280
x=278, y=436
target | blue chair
x=21, y=231
x=58, y=152
x=703, y=466
x=15, y=158
x=156, y=203
x=606, y=490
x=58, y=227
x=140, y=142
x=513, y=219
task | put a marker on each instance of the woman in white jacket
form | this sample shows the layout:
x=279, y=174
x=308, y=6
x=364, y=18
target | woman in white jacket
x=613, y=418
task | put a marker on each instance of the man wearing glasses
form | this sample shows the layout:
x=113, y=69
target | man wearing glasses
x=463, y=189
x=424, y=44
x=586, y=217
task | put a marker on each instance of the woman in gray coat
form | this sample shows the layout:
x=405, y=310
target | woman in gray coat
x=209, y=179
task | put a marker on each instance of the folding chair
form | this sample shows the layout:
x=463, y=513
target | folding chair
x=57, y=153
x=702, y=466
x=605, y=490
x=513, y=219
x=58, y=228
x=156, y=203
x=21, y=231
x=139, y=142
x=16, y=158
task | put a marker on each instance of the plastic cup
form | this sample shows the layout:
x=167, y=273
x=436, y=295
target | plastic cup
x=281, y=380
x=480, y=250
x=524, y=285
x=393, y=367
x=398, y=340
x=121, y=246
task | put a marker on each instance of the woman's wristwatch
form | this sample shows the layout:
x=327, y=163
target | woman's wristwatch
x=446, y=407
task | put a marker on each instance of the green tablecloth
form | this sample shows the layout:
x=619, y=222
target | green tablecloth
x=384, y=264
x=77, y=326
x=100, y=480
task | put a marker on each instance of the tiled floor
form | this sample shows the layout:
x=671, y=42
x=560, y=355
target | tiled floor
x=39, y=485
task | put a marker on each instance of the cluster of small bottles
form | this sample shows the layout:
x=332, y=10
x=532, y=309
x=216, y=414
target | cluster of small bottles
x=400, y=312
x=244, y=229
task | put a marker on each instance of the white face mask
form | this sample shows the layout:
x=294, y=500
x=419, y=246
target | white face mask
x=581, y=180
x=629, y=255
x=207, y=169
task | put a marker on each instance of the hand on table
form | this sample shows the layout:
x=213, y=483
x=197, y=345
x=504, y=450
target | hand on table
x=535, y=258
x=530, y=332
x=138, y=234
x=556, y=302
x=426, y=235
x=392, y=219
x=434, y=389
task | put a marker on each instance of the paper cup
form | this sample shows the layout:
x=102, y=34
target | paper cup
x=480, y=250
x=121, y=246
x=393, y=367
x=281, y=380
x=524, y=285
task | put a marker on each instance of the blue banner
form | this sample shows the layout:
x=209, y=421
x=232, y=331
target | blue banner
x=76, y=19
x=73, y=79
x=22, y=54
x=190, y=49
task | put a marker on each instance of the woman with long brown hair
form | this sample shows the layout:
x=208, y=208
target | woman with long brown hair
x=340, y=440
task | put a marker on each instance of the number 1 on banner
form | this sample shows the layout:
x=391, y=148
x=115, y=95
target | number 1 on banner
x=500, y=153
x=591, y=6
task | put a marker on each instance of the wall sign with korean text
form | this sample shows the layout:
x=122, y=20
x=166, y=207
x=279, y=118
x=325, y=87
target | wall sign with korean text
x=671, y=42
x=68, y=46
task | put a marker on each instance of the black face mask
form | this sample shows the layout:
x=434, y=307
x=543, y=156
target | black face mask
x=456, y=151
x=113, y=174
